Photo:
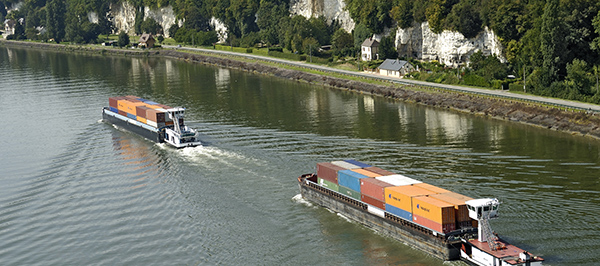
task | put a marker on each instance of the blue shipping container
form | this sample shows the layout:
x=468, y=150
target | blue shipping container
x=350, y=179
x=398, y=212
x=132, y=116
x=357, y=163
x=150, y=102
x=112, y=109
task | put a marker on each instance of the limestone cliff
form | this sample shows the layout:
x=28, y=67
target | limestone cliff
x=124, y=13
x=449, y=48
x=330, y=9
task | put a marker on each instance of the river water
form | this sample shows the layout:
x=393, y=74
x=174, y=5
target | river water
x=77, y=191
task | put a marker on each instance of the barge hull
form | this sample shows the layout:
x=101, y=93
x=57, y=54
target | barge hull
x=130, y=125
x=405, y=232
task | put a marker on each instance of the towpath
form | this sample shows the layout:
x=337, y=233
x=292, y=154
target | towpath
x=493, y=93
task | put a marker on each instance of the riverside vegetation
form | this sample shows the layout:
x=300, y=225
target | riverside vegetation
x=553, y=45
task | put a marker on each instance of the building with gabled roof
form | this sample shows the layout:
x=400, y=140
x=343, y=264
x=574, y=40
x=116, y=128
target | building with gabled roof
x=395, y=68
x=369, y=49
x=146, y=40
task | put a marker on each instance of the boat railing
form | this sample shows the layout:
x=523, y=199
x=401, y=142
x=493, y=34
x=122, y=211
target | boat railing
x=337, y=195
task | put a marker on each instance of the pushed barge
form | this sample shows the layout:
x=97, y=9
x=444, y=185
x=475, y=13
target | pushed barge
x=157, y=122
x=442, y=223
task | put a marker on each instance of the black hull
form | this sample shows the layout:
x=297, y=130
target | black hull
x=445, y=247
x=151, y=135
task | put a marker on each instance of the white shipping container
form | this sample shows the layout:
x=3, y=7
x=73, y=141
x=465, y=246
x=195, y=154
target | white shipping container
x=152, y=123
x=376, y=211
x=345, y=165
x=398, y=180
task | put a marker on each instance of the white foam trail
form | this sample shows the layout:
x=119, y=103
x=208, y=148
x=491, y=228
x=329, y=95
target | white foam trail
x=344, y=217
x=299, y=199
x=208, y=152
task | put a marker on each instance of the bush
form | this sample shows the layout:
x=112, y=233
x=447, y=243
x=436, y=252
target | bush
x=264, y=52
x=276, y=49
x=475, y=80
x=296, y=57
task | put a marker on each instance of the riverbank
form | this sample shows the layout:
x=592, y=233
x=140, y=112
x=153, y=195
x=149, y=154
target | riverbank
x=550, y=117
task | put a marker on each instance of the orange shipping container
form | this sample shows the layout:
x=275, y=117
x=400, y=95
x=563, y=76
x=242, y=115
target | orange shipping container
x=458, y=200
x=400, y=197
x=442, y=228
x=366, y=173
x=433, y=209
x=121, y=104
x=431, y=188
x=141, y=119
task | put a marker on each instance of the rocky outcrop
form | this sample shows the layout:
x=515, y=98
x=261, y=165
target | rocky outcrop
x=449, y=48
x=123, y=17
x=124, y=13
x=165, y=16
x=330, y=9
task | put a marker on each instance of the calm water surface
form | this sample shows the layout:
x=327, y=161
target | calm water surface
x=77, y=191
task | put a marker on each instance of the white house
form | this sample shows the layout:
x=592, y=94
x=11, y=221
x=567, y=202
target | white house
x=370, y=49
x=9, y=27
x=395, y=68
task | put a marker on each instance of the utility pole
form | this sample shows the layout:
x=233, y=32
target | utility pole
x=596, y=72
x=524, y=82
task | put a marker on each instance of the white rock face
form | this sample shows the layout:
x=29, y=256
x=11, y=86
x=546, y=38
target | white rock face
x=330, y=9
x=165, y=16
x=123, y=15
x=449, y=48
x=220, y=28
x=93, y=17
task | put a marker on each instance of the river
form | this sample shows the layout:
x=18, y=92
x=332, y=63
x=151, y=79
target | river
x=77, y=191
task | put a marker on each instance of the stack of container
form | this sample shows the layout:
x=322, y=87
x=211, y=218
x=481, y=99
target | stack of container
x=145, y=111
x=425, y=204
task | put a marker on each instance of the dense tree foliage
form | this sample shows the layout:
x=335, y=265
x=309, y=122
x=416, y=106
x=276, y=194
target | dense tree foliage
x=552, y=44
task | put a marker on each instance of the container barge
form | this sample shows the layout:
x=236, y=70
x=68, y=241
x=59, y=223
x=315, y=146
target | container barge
x=445, y=224
x=157, y=122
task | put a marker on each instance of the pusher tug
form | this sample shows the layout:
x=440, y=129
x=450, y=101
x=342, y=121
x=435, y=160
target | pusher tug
x=154, y=121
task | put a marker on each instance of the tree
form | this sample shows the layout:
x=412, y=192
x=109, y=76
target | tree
x=123, y=39
x=151, y=26
x=55, y=20
x=342, y=42
x=434, y=17
x=402, y=13
x=310, y=45
x=464, y=19
x=552, y=43
x=579, y=80
x=268, y=17
x=19, y=31
x=361, y=33
x=387, y=49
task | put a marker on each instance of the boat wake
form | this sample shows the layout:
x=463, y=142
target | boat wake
x=299, y=199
